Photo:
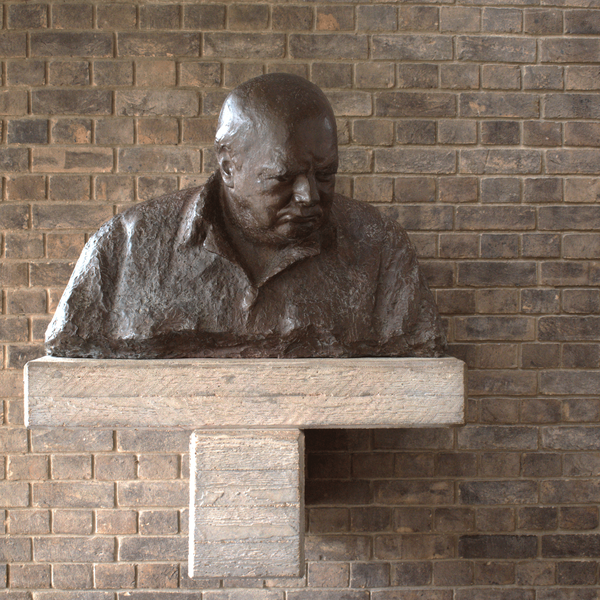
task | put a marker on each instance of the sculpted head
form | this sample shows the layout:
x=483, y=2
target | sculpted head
x=276, y=145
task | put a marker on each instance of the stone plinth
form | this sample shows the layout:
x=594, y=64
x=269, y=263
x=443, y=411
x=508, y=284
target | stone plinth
x=246, y=483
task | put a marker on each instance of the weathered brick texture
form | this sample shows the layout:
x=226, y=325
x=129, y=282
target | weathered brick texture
x=476, y=124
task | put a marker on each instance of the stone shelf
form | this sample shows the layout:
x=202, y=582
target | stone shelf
x=246, y=451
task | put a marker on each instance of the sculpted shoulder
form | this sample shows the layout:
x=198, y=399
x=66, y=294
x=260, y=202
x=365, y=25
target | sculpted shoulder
x=363, y=223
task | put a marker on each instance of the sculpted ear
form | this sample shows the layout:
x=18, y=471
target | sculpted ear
x=227, y=167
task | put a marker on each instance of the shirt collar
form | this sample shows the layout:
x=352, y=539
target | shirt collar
x=202, y=225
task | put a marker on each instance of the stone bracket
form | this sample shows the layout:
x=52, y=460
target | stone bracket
x=247, y=453
x=247, y=503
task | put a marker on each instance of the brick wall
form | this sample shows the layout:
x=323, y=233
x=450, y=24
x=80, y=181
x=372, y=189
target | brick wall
x=477, y=126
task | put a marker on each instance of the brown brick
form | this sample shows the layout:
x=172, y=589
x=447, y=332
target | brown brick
x=415, y=132
x=414, y=104
x=456, y=301
x=417, y=75
x=452, y=573
x=537, y=133
x=157, y=466
x=411, y=47
x=583, y=106
x=114, y=576
x=72, y=72
x=334, y=491
x=114, y=131
x=501, y=77
x=418, y=18
x=67, y=187
x=72, y=576
x=370, y=519
x=64, y=102
x=499, y=245
x=158, y=576
x=497, y=546
x=72, y=522
x=236, y=73
x=15, y=549
x=578, y=517
x=246, y=45
x=332, y=75
x=13, y=329
x=13, y=44
x=146, y=493
x=502, y=133
x=496, y=49
x=412, y=439
x=580, y=356
x=116, y=16
x=153, y=548
x=454, y=519
x=322, y=574
x=81, y=44
x=369, y=575
x=296, y=18
x=570, y=546
x=71, y=131
x=248, y=17
x=158, y=522
x=156, y=73
x=374, y=189
x=414, y=189
x=158, y=131
x=376, y=18
x=27, y=467
x=30, y=72
x=501, y=161
x=29, y=576
x=460, y=19
x=409, y=160
x=545, y=21
x=28, y=521
x=72, y=16
x=13, y=160
x=173, y=160
x=72, y=466
x=157, y=103
x=27, y=131
x=116, y=522
x=156, y=16
x=459, y=246
x=459, y=77
x=502, y=20
x=110, y=467
x=457, y=132
x=582, y=78
x=374, y=75
x=158, y=44
x=542, y=465
x=113, y=73
x=73, y=495
x=543, y=78
x=335, y=18
x=151, y=187
x=328, y=520
x=32, y=16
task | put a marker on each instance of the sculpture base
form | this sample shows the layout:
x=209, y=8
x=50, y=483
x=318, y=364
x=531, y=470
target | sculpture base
x=247, y=480
x=247, y=503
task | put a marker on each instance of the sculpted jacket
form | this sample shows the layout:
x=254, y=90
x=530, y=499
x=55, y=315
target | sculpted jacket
x=161, y=280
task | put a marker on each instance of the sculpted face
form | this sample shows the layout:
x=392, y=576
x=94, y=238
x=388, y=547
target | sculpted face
x=280, y=179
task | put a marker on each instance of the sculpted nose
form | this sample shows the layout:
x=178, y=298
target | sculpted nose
x=305, y=189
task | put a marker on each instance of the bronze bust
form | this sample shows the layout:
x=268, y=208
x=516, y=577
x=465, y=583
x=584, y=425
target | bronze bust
x=264, y=260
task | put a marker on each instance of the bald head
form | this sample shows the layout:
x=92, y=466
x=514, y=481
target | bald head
x=277, y=99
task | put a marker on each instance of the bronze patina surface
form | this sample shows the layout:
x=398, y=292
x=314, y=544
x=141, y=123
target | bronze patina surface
x=264, y=260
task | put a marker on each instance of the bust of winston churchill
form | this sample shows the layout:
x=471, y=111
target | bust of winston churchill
x=264, y=260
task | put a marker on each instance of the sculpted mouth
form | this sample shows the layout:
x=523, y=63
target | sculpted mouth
x=301, y=219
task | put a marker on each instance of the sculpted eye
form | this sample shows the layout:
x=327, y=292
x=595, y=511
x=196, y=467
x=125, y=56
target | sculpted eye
x=325, y=175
